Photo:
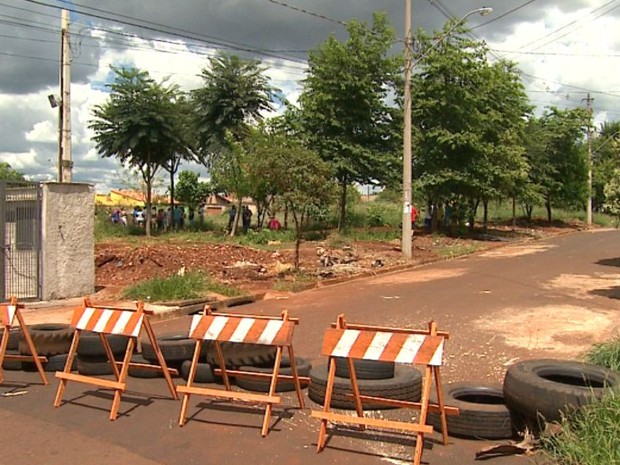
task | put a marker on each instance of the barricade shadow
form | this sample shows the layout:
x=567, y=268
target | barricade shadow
x=379, y=437
x=222, y=406
x=109, y=396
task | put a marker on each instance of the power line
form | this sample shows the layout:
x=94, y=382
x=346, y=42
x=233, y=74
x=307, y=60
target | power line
x=308, y=12
x=172, y=31
x=496, y=18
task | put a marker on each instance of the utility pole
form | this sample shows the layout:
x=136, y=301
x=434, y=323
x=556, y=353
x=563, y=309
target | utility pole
x=407, y=168
x=589, y=140
x=66, y=163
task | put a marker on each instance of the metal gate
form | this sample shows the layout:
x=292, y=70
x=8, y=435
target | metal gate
x=20, y=240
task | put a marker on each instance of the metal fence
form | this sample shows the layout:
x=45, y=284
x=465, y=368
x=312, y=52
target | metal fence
x=20, y=240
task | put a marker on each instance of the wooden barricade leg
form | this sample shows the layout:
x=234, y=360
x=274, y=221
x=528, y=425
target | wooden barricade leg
x=272, y=391
x=110, y=355
x=70, y=357
x=31, y=346
x=5, y=340
x=326, y=405
x=222, y=362
x=122, y=376
x=356, y=391
x=426, y=392
x=300, y=396
x=160, y=357
x=442, y=408
x=190, y=381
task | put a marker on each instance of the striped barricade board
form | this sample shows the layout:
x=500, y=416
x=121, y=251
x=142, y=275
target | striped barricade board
x=112, y=321
x=246, y=329
x=396, y=345
x=9, y=312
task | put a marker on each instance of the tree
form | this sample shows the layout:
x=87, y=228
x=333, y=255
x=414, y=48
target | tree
x=190, y=190
x=612, y=195
x=605, y=160
x=468, y=117
x=9, y=174
x=559, y=165
x=234, y=95
x=139, y=125
x=304, y=181
x=347, y=110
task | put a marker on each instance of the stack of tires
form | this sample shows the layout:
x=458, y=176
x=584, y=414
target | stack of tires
x=377, y=379
x=178, y=351
x=92, y=359
x=545, y=390
x=51, y=340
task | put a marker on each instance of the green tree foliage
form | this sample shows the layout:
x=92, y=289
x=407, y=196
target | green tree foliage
x=346, y=113
x=139, y=125
x=558, y=158
x=9, y=174
x=234, y=94
x=612, y=194
x=190, y=190
x=468, y=117
x=304, y=181
x=605, y=160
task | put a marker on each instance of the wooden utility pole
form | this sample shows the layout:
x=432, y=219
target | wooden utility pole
x=66, y=162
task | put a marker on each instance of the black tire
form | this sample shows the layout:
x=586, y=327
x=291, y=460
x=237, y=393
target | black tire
x=94, y=366
x=483, y=412
x=143, y=372
x=238, y=354
x=204, y=372
x=49, y=339
x=285, y=385
x=54, y=363
x=550, y=388
x=14, y=337
x=90, y=344
x=174, y=348
x=405, y=385
x=12, y=365
x=365, y=369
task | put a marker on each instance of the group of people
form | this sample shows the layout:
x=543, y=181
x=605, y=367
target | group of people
x=246, y=219
x=162, y=219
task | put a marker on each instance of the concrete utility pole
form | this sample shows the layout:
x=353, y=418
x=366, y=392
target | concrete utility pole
x=407, y=168
x=406, y=245
x=65, y=166
x=589, y=139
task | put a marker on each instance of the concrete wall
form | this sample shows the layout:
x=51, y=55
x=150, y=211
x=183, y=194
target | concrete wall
x=68, y=240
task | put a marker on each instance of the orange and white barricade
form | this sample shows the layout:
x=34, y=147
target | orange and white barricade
x=399, y=345
x=112, y=320
x=8, y=313
x=228, y=327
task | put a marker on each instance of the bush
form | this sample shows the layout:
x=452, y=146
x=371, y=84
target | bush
x=606, y=354
x=264, y=236
x=588, y=437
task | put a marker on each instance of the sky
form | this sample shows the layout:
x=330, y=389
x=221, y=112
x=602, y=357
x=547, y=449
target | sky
x=564, y=49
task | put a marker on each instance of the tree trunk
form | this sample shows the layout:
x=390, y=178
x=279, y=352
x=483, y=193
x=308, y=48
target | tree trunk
x=172, y=195
x=233, y=230
x=298, y=230
x=529, y=208
x=342, y=205
x=485, y=215
x=286, y=217
x=548, y=207
x=514, y=212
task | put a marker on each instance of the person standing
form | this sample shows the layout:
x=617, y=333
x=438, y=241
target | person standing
x=246, y=218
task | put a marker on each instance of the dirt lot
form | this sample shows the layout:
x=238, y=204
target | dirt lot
x=259, y=270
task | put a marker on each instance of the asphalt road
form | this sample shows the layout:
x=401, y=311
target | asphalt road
x=548, y=298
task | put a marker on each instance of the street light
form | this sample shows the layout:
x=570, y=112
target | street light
x=406, y=222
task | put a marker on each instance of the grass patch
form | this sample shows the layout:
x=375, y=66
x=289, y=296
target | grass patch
x=189, y=286
x=456, y=249
x=298, y=282
x=588, y=437
x=605, y=354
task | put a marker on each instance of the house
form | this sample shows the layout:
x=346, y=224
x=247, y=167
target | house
x=217, y=204
x=128, y=198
